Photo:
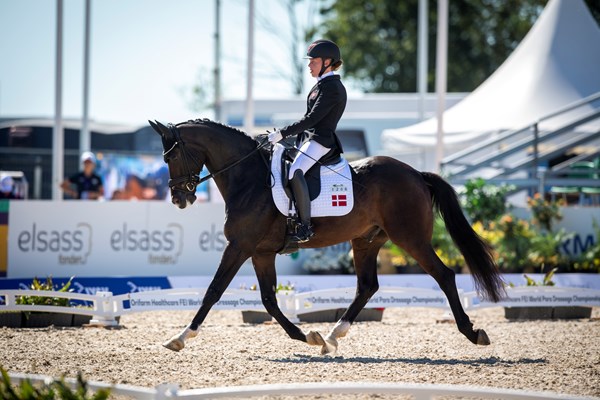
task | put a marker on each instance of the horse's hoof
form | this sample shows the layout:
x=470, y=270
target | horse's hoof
x=330, y=346
x=482, y=338
x=314, y=338
x=174, y=344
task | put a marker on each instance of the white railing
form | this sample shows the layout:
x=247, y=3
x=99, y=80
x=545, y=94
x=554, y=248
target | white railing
x=417, y=391
x=105, y=307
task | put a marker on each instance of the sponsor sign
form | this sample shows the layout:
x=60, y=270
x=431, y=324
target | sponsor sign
x=580, y=221
x=550, y=296
x=97, y=284
x=146, y=238
x=341, y=298
x=192, y=300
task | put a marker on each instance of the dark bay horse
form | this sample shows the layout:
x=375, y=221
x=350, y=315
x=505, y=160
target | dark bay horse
x=392, y=201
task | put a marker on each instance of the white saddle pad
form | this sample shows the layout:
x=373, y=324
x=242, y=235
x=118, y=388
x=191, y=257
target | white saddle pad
x=336, y=197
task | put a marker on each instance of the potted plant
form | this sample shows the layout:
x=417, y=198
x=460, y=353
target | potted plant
x=40, y=319
x=549, y=312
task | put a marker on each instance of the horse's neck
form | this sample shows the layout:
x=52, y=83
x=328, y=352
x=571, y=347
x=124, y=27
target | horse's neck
x=224, y=149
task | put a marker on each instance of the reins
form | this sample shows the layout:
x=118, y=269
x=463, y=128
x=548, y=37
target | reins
x=291, y=146
x=212, y=175
x=191, y=179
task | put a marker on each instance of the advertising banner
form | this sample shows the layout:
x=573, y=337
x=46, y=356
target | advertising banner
x=146, y=238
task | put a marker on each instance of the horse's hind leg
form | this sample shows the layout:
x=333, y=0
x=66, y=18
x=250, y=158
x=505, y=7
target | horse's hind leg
x=445, y=277
x=365, y=264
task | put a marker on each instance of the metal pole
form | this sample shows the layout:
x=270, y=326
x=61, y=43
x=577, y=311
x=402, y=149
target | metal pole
x=440, y=78
x=58, y=132
x=249, y=115
x=217, y=75
x=37, y=178
x=85, y=140
x=536, y=136
x=422, y=59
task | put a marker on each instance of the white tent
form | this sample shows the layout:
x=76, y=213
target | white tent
x=557, y=63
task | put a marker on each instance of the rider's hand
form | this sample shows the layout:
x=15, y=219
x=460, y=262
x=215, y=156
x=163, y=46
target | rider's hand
x=275, y=136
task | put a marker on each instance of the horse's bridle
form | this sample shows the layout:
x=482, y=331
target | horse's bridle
x=190, y=179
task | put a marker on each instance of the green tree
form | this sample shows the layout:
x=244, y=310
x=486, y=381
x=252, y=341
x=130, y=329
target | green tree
x=379, y=39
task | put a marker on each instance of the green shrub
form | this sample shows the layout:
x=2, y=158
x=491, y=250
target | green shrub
x=46, y=301
x=545, y=213
x=590, y=259
x=483, y=202
x=57, y=389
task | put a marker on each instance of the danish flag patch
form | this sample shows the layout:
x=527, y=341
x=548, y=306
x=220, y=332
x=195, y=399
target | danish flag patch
x=338, y=200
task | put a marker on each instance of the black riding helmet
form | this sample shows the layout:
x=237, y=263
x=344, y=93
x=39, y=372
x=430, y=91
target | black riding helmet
x=324, y=49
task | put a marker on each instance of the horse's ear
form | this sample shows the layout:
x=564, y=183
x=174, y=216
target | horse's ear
x=159, y=128
x=155, y=127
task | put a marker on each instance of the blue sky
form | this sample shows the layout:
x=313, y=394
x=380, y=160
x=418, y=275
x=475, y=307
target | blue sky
x=145, y=56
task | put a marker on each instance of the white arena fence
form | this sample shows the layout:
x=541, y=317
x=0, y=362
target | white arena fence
x=417, y=391
x=104, y=307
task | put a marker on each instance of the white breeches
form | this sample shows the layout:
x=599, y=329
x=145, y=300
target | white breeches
x=311, y=152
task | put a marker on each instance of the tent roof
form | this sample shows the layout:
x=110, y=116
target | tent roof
x=555, y=65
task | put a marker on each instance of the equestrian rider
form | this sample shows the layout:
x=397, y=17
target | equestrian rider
x=325, y=105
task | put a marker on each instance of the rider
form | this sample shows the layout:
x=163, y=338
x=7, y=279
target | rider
x=325, y=105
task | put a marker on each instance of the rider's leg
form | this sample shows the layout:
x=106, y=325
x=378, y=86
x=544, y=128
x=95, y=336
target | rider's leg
x=311, y=151
x=309, y=154
x=300, y=188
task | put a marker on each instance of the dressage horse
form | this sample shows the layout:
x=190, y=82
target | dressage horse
x=392, y=202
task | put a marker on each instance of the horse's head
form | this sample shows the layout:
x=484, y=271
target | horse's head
x=184, y=168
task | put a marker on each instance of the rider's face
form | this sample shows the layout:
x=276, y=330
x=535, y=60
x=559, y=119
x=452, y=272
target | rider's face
x=314, y=65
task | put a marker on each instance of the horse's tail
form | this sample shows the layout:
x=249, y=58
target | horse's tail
x=477, y=253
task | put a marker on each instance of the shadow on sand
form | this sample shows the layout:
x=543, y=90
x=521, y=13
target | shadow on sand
x=488, y=361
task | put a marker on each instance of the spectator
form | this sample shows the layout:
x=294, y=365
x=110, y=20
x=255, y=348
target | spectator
x=135, y=189
x=7, y=186
x=85, y=185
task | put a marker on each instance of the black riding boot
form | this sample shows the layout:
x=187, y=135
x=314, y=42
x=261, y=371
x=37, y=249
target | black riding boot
x=300, y=189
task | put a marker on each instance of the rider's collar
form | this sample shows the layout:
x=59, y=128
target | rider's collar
x=330, y=73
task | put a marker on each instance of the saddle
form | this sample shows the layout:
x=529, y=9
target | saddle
x=312, y=176
x=331, y=163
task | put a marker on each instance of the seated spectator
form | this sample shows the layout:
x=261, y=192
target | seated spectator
x=7, y=186
x=135, y=189
x=85, y=185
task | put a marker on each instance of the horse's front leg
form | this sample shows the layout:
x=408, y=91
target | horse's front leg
x=231, y=261
x=264, y=265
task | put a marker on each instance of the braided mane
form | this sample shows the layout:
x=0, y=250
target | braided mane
x=219, y=125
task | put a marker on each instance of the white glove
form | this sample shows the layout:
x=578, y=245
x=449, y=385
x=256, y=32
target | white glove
x=275, y=136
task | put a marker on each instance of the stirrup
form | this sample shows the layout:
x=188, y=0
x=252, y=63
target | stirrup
x=303, y=233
